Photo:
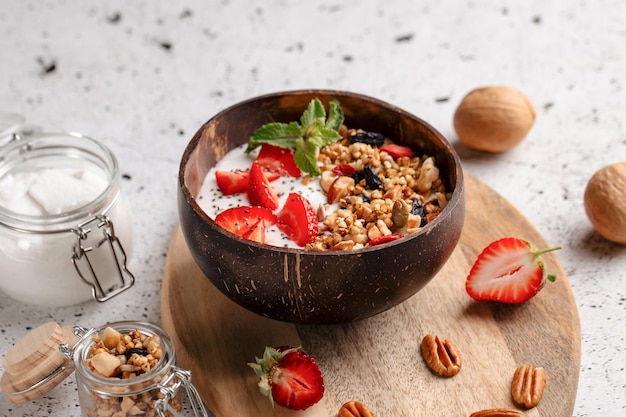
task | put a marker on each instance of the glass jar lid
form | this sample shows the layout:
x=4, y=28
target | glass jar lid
x=35, y=364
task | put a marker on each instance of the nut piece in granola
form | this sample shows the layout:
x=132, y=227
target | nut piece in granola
x=443, y=358
x=111, y=338
x=527, y=386
x=497, y=412
x=355, y=409
x=105, y=364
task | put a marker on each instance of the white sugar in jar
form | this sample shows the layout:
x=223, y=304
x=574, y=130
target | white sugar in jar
x=65, y=225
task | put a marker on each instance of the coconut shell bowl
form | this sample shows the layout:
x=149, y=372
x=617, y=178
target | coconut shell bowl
x=317, y=287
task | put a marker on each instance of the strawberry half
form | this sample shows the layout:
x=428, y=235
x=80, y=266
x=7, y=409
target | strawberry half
x=276, y=159
x=397, y=151
x=260, y=192
x=509, y=270
x=289, y=377
x=247, y=222
x=235, y=182
x=298, y=220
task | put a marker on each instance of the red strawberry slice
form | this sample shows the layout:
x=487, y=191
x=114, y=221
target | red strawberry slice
x=384, y=239
x=246, y=221
x=260, y=192
x=235, y=182
x=509, y=270
x=298, y=220
x=275, y=159
x=397, y=151
x=257, y=232
x=289, y=377
x=346, y=170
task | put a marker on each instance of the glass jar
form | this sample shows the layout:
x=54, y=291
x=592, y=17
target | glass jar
x=144, y=377
x=156, y=392
x=60, y=198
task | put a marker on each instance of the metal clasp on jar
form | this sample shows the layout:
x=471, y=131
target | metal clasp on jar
x=170, y=386
x=84, y=251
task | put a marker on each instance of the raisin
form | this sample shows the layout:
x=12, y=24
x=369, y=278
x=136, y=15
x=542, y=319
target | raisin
x=139, y=351
x=369, y=138
x=358, y=176
x=372, y=179
x=417, y=209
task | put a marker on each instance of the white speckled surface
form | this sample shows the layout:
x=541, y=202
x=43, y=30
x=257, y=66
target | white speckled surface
x=142, y=76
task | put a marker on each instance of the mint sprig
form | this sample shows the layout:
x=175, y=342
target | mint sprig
x=306, y=138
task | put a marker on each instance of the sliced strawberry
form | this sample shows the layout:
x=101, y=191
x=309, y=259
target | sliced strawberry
x=397, y=151
x=245, y=220
x=298, y=220
x=235, y=182
x=509, y=270
x=289, y=377
x=260, y=192
x=276, y=159
x=257, y=232
x=232, y=182
x=384, y=239
x=344, y=170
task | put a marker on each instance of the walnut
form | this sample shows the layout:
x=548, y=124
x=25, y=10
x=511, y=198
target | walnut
x=494, y=118
x=605, y=202
x=527, y=385
x=443, y=358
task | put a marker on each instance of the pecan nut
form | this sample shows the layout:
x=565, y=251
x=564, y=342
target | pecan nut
x=443, y=358
x=497, y=412
x=354, y=409
x=527, y=386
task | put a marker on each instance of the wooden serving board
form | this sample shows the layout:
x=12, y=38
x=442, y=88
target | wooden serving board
x=377, y=360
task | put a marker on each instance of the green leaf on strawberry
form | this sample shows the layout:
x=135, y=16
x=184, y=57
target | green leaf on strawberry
x=315, y=130
x=289, y=377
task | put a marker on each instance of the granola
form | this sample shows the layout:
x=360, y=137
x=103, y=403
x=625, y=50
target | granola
x=394, y=196
x=126, y=357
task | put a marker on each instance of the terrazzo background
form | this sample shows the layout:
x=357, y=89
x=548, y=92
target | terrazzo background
x=142, y=76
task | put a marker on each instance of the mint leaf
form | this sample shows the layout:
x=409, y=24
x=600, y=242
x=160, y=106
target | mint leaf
x=329, y=136
x=313, y=113
x=335, y=116
x=305, y=156
x=306, y=138
x=277, y=134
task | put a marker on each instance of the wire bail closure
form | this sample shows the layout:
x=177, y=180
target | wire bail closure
x=82, y=251
x=169, y=387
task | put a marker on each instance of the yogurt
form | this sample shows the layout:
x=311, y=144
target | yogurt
x=213, y=201
x=50, y=191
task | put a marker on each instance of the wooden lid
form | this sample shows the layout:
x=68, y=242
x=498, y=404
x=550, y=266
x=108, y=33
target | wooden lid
x=35, y=357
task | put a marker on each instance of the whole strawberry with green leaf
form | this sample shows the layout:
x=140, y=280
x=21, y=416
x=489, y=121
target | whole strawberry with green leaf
x=289, y=377
x=509, y=270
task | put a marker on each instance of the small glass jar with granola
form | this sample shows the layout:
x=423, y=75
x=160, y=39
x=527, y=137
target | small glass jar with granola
x=128, y=369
